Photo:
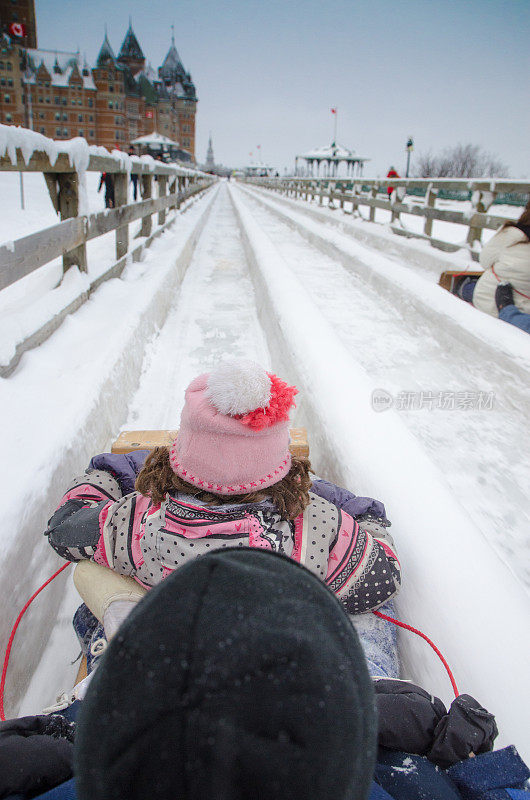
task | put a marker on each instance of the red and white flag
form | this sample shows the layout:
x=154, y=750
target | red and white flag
x=333, y=110
x=17, y=29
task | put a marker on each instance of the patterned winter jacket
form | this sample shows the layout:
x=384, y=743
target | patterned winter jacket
x=134, y=536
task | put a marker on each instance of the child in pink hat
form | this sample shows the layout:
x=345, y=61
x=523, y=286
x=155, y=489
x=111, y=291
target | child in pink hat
x=227, y=480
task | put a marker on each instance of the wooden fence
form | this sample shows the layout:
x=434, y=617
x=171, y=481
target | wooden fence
x=364, y=192
x=70, y=236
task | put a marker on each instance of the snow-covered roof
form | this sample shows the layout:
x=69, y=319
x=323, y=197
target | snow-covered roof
x=334, y=152
x=147, y=72
x=177, y=89
x=60, y=66
x=172, y=62
x=155, y=140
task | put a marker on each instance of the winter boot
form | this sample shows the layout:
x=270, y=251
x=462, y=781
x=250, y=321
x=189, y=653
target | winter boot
x=91, y=636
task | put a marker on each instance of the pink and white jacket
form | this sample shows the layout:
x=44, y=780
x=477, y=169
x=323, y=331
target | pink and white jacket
x=134, y=536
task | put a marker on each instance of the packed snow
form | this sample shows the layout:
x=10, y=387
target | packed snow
x=342, y=318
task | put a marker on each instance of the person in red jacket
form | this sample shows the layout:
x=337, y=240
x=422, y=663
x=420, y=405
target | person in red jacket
x=391, y=174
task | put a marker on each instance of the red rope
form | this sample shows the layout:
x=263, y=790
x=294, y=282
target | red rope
x=39, y=590
x=14, y=630
x=415, y=630
x=513, y=287
x=472, y=273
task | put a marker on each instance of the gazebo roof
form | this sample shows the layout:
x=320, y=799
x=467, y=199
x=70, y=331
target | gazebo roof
x=334, y=152
x=155, y=140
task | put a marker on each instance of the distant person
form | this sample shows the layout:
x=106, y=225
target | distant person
x=134, y=177
x=506, y=259
x=391, y=174
x=107, y=180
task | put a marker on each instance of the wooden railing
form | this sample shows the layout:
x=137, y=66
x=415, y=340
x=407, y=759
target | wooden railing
x=64, y=175
x=69, y=237
x=350, y=194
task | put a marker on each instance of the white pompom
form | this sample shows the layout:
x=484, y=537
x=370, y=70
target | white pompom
x=237, y=387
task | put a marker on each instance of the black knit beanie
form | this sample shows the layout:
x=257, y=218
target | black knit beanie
x=239, y=676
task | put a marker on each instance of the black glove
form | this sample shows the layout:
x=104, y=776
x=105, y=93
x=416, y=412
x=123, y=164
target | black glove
x=412, y=720
x=407, y=716
x=504, y=295
x=36, y=754
x=73, y=531
x=467, y=728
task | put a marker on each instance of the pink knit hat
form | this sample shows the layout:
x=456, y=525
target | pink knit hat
x=234, y=430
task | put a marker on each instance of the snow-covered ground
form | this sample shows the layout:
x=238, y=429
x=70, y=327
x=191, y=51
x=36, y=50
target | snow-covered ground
x=342, y=318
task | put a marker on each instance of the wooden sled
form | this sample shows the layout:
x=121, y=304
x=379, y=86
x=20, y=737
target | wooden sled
x=451, y=278
x=128, y=441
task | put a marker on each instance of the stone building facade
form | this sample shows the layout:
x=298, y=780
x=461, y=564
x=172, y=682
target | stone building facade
x=110, y=104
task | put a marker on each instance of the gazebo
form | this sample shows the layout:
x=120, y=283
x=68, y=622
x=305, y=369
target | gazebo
x=330, y=159
x=156, y=144
x=259, y=170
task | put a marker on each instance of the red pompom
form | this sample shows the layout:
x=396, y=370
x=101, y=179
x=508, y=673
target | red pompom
x=282, y=400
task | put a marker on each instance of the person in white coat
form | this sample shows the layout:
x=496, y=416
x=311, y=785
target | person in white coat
x=506, y=259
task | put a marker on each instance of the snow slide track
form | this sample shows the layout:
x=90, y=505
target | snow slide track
x=446, y=315
x=455, y=588
x=405, y=352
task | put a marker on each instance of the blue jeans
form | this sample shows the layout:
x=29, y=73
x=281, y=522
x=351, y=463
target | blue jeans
x=515, y=317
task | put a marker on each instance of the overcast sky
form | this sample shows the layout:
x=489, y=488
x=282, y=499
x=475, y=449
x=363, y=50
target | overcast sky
x=267, y=72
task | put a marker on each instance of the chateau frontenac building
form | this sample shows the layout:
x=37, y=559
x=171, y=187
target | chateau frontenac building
x=112, y=103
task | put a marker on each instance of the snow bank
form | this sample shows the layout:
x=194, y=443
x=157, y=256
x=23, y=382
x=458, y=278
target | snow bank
x=64, y=402
x=78, y=150
x=455, y=588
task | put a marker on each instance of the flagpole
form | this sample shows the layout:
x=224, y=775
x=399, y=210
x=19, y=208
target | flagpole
x=335, y=129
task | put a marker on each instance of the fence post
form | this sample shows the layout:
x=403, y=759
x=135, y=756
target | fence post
x=356, y=191
x=331, y=192
x=147, y=193
x=173, y=190
x=68, y=199
x=430, y=202
x=396, y=197
x=373, y=195
x=162, y=191
x=480, y=202
x=121, y=180
x=342, y=190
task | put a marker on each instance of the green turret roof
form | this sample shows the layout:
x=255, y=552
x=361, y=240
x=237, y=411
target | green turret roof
x=106, y=53
x=130, y=47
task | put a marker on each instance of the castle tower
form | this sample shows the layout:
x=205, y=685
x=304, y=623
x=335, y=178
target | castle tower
x=210, y=160
x=106, y=54
x=109, y=79
x=131, y=54
x=181, y=92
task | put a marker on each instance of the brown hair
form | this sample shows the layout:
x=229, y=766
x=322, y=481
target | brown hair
x=290, y=495
x=522, y=222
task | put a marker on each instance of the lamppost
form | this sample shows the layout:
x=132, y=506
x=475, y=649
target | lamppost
x=410, y=148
